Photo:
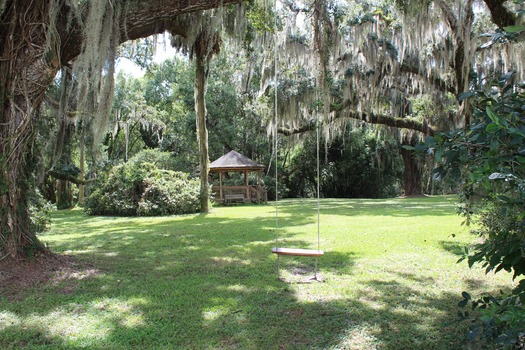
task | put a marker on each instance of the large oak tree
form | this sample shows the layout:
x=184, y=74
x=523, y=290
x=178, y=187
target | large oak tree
x=374, y=65
x=37, y=38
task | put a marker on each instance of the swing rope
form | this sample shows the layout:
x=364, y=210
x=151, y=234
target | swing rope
x=292, y=251
x=275, y=138
x=318, y=179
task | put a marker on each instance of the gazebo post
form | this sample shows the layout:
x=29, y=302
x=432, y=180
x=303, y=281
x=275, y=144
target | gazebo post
x=258, y=187
x=246, y=184
x=221, y=196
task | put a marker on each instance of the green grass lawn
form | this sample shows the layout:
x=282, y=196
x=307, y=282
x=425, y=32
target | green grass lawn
x=209, y=281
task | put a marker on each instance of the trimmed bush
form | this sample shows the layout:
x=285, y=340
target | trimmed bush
x=136, y=188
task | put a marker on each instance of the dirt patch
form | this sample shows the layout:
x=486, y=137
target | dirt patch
x=20, y=276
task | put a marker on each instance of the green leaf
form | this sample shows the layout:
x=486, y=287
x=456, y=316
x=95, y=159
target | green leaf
x=466, y=95
x=466, y=296
x=463, y=303
x=504, y=198
x=493, y=116
x=430, y=141
x=514, y=29
x=505, y=77
x=516, y=131
x=492, y=127
x=473, y=334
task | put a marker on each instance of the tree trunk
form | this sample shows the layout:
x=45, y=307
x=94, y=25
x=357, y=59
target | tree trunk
x=206, y=45
x=16, y=238
x=501, y=16
x=64, y=196
x=25, y=73
x=82, y=168
x=202, y=132
x=412, y=174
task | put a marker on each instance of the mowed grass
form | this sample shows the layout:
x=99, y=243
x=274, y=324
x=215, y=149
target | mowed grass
x=390, y=280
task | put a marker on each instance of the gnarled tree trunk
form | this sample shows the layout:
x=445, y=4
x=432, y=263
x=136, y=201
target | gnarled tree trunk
x=25, y=72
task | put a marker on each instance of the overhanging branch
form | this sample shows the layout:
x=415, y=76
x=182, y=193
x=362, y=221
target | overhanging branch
x=70, y=178
x=370, y=118
x=500, y=15
x=396, y=122
x=139, y=20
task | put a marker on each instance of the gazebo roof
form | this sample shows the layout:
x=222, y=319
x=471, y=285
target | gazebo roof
x=234, y=161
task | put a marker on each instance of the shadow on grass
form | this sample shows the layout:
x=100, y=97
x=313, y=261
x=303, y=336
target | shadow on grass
x=204, y=282
x=405, y=310
x=454, y=247
x=397, y=207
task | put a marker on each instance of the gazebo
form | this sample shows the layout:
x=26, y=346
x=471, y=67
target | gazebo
x=235, y=162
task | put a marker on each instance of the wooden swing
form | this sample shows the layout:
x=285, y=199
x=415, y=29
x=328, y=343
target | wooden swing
x=292, y=251
x=297, y=251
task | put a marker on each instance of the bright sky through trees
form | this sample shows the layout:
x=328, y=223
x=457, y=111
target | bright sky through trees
x=163, y=51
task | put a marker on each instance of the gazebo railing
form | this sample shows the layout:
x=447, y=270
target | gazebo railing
x=246, y=194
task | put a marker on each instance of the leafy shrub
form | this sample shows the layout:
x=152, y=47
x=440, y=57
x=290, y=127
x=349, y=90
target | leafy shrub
x=168, y=192
x=501, y=320
x=136, y=188
x=39, y=212
x=489, y=158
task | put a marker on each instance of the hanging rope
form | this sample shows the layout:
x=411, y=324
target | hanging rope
x=292, y=251
x=317, y=141
x=275, y=138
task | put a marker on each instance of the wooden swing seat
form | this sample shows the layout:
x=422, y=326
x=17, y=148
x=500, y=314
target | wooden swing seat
x=297, y=251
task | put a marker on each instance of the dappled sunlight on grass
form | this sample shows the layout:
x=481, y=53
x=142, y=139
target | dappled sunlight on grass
x=75, y=323
x=9, y=319
x=390, y=280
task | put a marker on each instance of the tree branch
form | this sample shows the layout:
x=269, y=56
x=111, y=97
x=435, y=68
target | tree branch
x=435, y=80
x=396, y=122
x=70, y=178
x=500, y=15
x=449, y=15
x=370, y=118
x=139, y=20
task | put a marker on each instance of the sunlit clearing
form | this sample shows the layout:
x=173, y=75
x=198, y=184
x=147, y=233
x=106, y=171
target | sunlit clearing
x=239, y=288
x=359, y=337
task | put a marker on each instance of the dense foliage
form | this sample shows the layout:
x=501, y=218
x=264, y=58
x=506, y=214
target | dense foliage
x=40, y=212
x=357, y=164
x=142, y=188
x=489, y=158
